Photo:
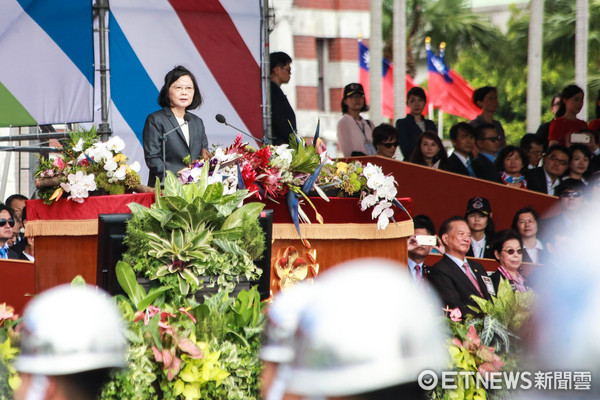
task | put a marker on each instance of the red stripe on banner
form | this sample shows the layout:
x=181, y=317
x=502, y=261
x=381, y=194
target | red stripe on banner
x=218, y=41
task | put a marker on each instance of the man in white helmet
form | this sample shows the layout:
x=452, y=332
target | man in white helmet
x=72, y=337
x=360, y=331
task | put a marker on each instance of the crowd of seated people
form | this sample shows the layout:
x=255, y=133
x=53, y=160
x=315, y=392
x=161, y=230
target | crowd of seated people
x=13, y=243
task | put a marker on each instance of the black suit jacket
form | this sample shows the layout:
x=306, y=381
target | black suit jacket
x=485, y=169
x=536, y=180
x=176, y=147
x=453, y=164
x=409, y=131
x=453, y=286
x=281, y=113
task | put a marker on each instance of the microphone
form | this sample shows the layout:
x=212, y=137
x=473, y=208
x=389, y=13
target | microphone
x=163, y=140
x=186, y=118
x=221, y=119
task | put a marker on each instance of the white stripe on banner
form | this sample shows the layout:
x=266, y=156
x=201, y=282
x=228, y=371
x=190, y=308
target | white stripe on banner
x=160, y=42
x=38, y=73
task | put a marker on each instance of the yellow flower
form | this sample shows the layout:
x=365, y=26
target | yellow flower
x=119, y=158
x=342, y=168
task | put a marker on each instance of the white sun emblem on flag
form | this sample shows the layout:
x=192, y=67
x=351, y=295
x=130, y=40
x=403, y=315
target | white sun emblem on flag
x=367, y=58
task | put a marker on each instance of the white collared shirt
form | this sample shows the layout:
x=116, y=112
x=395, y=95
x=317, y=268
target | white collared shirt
x=478, y=247
x=413, y=271
x=534, y=253
x=462, y=159
x=185, y=129
x=550, y=186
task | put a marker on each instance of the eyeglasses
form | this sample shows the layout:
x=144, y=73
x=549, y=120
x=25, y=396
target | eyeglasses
x=181, y=88
x=563, y=195
x=390, y=145
x=512, y=251
x=3, y=222
x=556, y=104
x=493, y=139
x=557, y=160
x=287, y=69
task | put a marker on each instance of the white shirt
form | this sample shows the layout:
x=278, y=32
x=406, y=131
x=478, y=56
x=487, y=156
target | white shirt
x=478, y=247
x=185, y=129
x=550, y=186
x=462, y=159
x=413, y=271
x=534, y=252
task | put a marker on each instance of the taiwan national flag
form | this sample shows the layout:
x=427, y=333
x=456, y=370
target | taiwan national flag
x=448, y=91
x=387, y=84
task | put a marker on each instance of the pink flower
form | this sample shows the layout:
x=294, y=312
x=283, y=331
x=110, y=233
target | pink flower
x=456, y=315
x=59, y=163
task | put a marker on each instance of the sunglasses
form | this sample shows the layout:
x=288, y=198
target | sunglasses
x=512, y=251
x=563, y=195
x=3, y=222
x=390, y=145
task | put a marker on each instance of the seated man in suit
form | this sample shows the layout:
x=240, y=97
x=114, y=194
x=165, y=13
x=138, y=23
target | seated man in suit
x=533, y=146
x=546, y=178
x=488, y=144
x=454, y=277
x=462, y=136
x=417, y=252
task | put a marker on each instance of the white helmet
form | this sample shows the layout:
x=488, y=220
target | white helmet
x=366, y=327
x=68, y=330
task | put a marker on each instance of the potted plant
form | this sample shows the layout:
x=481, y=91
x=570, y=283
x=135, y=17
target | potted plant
x=194, y=233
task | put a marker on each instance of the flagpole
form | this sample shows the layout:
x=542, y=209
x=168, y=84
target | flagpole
x=375, y=68
x=441, y=124
x=534, y=67
x=581, y=47
x=399, y=22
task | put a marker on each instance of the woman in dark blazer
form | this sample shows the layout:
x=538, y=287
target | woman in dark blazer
x=178, y=95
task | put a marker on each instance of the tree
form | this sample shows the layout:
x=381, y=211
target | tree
x=449, y=21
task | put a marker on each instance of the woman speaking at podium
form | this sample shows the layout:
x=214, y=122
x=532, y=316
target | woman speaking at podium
x=182, y=132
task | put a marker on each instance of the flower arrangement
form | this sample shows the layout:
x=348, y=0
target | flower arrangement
x=188, y=350
x=86, y=164
x=487, y=343
x=9, y=339
x=195, y=232
x=294, y=171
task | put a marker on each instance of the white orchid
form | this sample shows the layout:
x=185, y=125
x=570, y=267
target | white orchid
x=135, y=166
x=115, y=144
x=371, y=170
x=79, y=145
x=384, y=218
x=110, y=164
x=369, y=201
x=121, y=173
x=284, y=153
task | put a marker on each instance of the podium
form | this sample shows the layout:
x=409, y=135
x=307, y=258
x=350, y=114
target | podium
x=66, y=236
x=348, y=233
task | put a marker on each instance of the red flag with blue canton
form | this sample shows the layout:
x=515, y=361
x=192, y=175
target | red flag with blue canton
x=387, y=83
x=449, y=91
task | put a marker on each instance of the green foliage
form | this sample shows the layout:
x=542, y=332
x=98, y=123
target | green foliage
x=194, y=230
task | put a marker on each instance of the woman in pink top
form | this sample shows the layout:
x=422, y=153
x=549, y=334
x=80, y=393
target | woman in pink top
x=566, y=122
x=354, y=133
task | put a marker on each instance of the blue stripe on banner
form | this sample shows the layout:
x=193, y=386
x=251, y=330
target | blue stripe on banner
x=132, y=91
x=69, y=24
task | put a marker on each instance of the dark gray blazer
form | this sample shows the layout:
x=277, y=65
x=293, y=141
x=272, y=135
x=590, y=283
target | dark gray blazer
x=176, y=147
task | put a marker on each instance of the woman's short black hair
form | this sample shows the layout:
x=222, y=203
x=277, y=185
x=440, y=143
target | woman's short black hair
x=503, y=237
x=170, y=78
x=384, y=132
x=526, y=210
x=507, y=151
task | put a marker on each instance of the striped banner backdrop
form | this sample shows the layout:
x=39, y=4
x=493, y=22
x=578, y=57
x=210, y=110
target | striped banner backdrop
x=47, y=67
x=219, y=41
